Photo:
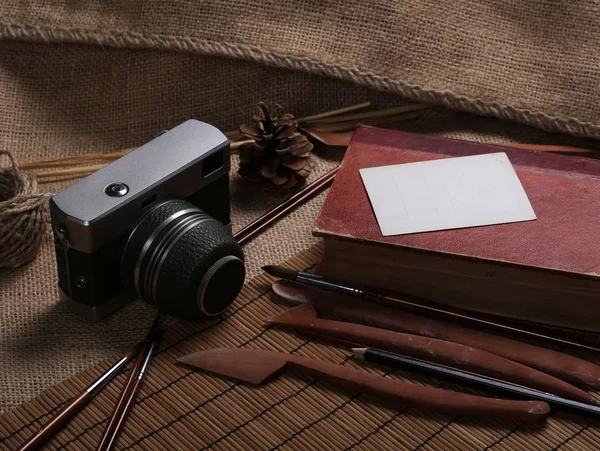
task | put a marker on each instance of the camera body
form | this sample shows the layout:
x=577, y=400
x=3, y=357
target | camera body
x=95, y=220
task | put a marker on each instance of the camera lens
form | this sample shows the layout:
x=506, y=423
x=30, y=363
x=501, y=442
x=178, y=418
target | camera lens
x=183, y=261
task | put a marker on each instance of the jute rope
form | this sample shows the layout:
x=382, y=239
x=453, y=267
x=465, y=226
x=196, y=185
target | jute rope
x=23, y=216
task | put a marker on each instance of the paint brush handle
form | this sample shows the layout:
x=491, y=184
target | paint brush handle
x=105, y=441
x=56, y=423
x=140, y=360
x=421, y=397
x=130, y=393
x=123, y=414
x=75, y=405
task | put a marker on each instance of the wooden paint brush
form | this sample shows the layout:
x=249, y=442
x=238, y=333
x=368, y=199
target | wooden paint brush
x=256, y=366
x=120, y=411
x=74, y=406
x=123, y=409
x=471, y=379
x=304, y=318
x=429, y=308
x=354, y=310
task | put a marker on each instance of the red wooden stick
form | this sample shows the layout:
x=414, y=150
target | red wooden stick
x=254, y=228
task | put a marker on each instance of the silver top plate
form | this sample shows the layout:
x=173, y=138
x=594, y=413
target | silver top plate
x=170, y=166
x=141, y=170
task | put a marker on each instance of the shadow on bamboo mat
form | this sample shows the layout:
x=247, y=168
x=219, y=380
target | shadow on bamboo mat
x=179, y=408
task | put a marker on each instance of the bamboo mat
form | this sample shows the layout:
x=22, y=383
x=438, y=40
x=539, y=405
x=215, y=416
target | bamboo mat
x=182, y=409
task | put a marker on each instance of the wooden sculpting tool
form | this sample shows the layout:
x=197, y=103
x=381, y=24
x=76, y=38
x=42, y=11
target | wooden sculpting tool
x=426, y=307
x=74, y=406
x=448, y=353
x=131, y=388
x=487, y=383
x=347, y=308
x=256, y=366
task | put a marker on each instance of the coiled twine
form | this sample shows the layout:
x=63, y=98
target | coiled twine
x=23, y=215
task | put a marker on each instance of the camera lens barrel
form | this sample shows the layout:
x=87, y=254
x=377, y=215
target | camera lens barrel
x=183, y=261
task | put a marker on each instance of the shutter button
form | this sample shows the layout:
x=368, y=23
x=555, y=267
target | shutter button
x=116, y=189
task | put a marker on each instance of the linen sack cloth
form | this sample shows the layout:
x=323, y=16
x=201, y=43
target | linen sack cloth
x=108, y=75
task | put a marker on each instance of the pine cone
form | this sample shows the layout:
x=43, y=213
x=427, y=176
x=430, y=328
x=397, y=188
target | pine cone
x=279, y=155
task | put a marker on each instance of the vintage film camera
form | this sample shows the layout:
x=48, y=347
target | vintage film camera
x=154, y=224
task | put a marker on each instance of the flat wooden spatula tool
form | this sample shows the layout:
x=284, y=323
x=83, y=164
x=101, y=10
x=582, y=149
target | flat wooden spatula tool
x=256, y=366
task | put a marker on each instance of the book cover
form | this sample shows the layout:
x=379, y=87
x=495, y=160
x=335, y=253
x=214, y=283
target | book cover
x=564, y=191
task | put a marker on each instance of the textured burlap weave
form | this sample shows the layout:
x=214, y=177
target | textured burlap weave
x=534, y=63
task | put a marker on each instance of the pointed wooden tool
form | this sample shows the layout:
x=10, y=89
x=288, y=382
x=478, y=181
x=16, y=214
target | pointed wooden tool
x=445, y=352
x=350, y=308
x=256, y=366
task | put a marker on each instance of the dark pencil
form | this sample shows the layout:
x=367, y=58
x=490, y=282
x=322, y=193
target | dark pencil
x=254, y=228
x=140, y=357
x=74, y=406
x=121, y=414
x=425, y=307
x=444, y=372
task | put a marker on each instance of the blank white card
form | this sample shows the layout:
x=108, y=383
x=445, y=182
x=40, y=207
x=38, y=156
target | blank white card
x=446, y=194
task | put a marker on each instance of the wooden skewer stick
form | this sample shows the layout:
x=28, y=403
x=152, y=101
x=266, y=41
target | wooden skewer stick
x=254, y=228
x=351, y=125
x=71, y=171
x=580, y=151
x=233, y=134
x=328, y=114
x=80, y=159
x=329, y=121
x=81, y=170
x=61, y=161
x=372, y=114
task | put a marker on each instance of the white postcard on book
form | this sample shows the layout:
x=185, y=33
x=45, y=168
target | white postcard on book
x=444, y=194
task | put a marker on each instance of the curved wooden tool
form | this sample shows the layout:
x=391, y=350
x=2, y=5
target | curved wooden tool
x=456, y=355
x=256, y=366
x=558, y=364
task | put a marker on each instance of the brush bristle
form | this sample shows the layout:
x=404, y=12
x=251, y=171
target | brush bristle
x=278, y=271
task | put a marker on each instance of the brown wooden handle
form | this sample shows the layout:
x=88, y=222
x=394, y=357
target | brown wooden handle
x=422, y=397
x=108, y=436
x=452, y=354
x=109, y=442
x=561, y=365
x=558, y=364
x=56, y=423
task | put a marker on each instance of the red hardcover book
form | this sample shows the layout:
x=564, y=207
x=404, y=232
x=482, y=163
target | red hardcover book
x=547, y=270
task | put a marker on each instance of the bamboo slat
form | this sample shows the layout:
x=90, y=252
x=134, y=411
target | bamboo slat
x=182, y=409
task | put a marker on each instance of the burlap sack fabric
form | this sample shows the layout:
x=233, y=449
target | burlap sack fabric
x=102, y=76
